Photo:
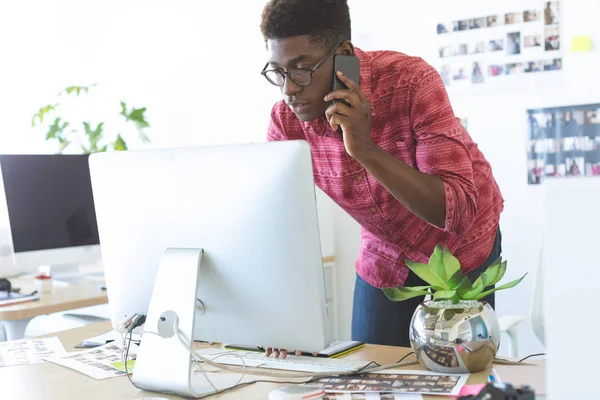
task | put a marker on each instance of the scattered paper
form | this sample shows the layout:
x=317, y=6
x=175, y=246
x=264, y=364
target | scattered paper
x=397, y=381
x=96, y=362
x=29, y=351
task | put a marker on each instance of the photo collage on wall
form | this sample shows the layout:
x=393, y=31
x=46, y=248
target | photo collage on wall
x=563, y=142
x=479, y=49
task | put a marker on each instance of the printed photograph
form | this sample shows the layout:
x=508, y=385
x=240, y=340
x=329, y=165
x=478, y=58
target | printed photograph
x=444, y=27
x=494, y=20
x=532, y=41
x=496, y=45
x=592, y=116
x=446, y=74
x=531, y=15
x=461, y=25
x=551, y=13
x=514, y=68
x=513, y=43
x=496, y=70
x=552, y=38
x=462, y=50
x=477, y=48
x=513, y=18
x=446, y=51
x=575, y=166
x=460, y=73
x=533, y=66
x=553, y=65
x=477, y=73
x=477, y=23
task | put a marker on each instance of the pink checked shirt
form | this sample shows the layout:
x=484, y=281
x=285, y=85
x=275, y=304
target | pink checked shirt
x=413, y=120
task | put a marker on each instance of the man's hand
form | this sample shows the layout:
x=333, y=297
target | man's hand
x=355, y=119
x=282, y=352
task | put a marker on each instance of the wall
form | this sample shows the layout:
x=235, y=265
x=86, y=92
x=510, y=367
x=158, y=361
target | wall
x=196, y=65
x=497, y=122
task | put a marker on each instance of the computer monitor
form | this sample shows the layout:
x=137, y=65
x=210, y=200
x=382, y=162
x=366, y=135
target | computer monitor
x=50, y=210
x=251, y=207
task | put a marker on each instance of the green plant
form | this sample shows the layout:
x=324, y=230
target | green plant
x=91, y=139
x=446, y=280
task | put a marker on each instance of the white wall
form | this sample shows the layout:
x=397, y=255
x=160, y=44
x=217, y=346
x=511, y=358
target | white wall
x=196, y=65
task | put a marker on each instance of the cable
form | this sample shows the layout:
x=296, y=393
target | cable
x=402, y=359
x=532, y=355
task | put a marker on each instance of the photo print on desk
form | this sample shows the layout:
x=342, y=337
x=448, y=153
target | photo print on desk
x=501, y=45
x=563, y=142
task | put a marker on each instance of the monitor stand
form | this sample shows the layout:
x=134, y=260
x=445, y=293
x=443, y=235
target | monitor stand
x=60, y=270
x=174, y=296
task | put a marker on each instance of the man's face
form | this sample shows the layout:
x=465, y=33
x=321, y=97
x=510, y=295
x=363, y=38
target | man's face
x=298, y=53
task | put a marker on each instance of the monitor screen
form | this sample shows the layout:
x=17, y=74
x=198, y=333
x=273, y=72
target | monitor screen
x=49, y=201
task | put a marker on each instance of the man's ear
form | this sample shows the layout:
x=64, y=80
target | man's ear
x=347, y=48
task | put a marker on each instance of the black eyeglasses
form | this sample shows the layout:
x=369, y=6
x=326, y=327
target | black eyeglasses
x=300, y=76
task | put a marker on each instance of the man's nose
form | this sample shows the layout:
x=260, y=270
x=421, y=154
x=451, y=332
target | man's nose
x=290, y=89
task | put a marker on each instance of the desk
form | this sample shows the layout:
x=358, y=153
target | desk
x=53, y=382
x=60, y=298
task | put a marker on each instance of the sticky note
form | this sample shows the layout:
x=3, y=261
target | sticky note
x=581, y=44
x=119, y=365
x=471, y=390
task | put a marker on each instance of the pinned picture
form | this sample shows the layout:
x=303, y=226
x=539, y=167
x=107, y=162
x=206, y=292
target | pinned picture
x=477, y=48
x=477, y=23
x=446, y=74
x=461, y=25
x=551, y=13
x=514, y=68
x=513, y=18
x=513, y=43
x=496, y=45
x=494, y=20
x=532, y=41
x=553, y=65
x=531, y=15
x=460, y=73
x=496, y=70
x=477, y=73
x=533, y=66
x=446, y=51
x=552, y=38
x=444, y=27
x=462, y=50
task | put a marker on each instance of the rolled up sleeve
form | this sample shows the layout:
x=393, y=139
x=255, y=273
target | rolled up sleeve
x=440, y=148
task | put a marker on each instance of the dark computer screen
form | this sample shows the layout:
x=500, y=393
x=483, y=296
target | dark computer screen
x=49, y=200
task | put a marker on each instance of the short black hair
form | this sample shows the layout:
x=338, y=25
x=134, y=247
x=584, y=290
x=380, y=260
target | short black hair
x=325, y=21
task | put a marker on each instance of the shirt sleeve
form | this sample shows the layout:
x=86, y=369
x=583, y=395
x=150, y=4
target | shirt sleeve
x=275, y=130
x=440, y=148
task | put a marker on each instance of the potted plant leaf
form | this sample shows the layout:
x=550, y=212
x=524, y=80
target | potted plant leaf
x=90, y=138
x=456, y=331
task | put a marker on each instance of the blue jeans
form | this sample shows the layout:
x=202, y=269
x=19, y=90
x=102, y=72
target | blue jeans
x=378, y=320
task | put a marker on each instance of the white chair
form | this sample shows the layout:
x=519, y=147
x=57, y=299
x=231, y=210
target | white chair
x=509, y=324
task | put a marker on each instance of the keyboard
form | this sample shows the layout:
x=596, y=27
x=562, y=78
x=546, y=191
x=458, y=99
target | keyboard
x=291, y=363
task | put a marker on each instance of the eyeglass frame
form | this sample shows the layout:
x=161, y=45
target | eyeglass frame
x=286, y=75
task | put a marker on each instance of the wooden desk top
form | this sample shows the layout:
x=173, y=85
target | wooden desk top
x=53, y=382
x=59, y=298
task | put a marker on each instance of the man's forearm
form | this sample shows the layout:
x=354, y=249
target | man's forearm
x=420, y=193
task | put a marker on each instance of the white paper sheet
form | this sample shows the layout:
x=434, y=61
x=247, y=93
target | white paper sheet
x=29, y=351
x=110, y=336
x=96, y=362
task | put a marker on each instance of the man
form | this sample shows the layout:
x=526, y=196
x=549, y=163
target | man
x=396, y=159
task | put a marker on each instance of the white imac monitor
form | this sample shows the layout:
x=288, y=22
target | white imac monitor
x=252, y=209
x=50, y=211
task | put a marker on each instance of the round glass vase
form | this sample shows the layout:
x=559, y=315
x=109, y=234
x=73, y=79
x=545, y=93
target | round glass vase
x=455, y=338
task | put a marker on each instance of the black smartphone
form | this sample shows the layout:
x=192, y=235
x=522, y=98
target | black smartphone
x=349, y=65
